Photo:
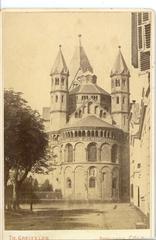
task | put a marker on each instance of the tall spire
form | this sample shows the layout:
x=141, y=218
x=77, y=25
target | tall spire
x=120, y=66
x=80, y=62
x=59, y=66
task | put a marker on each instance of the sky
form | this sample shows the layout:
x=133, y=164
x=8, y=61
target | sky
x=31, y=40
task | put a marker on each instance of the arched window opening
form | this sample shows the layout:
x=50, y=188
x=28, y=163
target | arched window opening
x=79, y=133
x=71, y=134
x=104, y=114
x=83, y=133
x=117, y=100
x=114, y=183
x=75, y=133
x=124, y=82
x=69, y=153
x=114, y=153
x=56, y=98
x=62, y=81
x=95, y=110
x=117, y=82
x=56, y=81
x=62, y=98
x=69, y=183
x=80, y=113
x=92, y=152
x=92, y=133
x=101, y=134
x=92, y=182
x=105, y=152
x=88, y=133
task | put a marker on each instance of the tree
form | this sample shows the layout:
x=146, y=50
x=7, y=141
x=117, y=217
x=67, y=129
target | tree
x=25, y=142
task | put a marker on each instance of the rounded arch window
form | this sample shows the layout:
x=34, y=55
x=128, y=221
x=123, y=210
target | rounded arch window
x=92, y=152
x=101, y=134
x=92, y=182
x=69, y=153
x=69, y=183
x=62, y=80
x=56, y=98
x=114, y=153
x=56, y=81
x=83, y=133
x=88, y=133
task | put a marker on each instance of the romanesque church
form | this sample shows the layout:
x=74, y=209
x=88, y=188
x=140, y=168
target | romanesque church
x=88, y=129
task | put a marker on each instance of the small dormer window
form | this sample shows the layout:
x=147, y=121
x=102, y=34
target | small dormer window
x=56, y=81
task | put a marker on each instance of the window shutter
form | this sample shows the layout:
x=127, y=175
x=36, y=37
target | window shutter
x=148, y=35
x=145, y=61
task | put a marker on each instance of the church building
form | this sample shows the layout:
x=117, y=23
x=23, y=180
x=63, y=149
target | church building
x=88, y=130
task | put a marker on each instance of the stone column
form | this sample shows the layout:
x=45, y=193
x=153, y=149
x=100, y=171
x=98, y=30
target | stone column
x=73, y=154
x=86, y=155
x=99, y=154
x=86, y=184
x=73, y=184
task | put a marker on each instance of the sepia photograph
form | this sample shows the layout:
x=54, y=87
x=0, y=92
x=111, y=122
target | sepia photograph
x=77, y=119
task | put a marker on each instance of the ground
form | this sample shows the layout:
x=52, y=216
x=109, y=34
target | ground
x=60, y=215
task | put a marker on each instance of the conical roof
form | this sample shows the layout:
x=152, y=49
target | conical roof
x=80, y=62
x=59, y=66
x=120, y=66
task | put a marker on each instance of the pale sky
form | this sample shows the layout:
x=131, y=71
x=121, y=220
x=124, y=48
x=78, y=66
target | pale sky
x=30, y=46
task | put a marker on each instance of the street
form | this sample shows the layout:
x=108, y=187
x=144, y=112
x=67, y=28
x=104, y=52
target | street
x=60, y=215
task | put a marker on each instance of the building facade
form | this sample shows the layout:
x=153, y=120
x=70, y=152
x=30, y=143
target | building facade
x=140, y=114
x=88, y=130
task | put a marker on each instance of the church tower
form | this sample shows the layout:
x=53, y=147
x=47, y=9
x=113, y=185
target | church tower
x=59, y=92
x=120, y=92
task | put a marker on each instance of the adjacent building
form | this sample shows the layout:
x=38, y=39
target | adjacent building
x=140, y=114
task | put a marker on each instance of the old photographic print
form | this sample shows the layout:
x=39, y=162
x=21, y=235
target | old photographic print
x=77, y=120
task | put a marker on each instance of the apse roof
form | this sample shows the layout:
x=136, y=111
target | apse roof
x=90, y=121
x=88, y=88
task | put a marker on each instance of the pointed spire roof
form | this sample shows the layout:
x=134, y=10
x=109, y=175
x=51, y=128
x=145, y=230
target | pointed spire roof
x=120, y=66
x=80, y=62
x=59, y=64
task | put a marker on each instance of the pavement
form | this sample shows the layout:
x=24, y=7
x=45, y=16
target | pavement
x=75, y=216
